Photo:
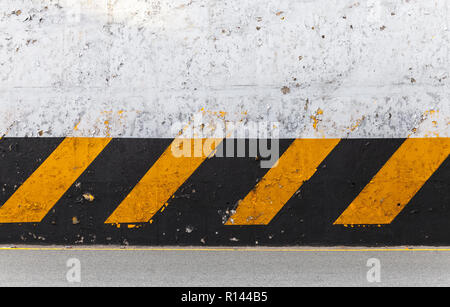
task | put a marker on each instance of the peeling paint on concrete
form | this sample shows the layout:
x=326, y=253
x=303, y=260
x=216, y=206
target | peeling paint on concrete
x=149, y=64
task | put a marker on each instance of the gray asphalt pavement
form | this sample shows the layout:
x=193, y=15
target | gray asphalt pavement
x=109, y=266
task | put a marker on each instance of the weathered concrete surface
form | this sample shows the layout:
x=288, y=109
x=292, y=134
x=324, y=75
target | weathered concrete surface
x=133, y=68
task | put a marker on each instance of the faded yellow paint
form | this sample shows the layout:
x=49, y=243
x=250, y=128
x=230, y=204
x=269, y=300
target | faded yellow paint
x=397, y=182
x=316, y=118
x=297, y=165
x=89, y=197
x=357, y=124
x=162, y=180
x=40, y=192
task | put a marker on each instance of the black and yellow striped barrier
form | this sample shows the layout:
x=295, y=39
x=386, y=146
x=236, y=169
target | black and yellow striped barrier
x=135, y=191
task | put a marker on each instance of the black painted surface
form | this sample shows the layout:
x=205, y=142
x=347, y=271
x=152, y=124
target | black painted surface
x=196, y=215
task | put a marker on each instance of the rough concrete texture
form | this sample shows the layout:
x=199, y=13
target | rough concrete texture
x=133, y=68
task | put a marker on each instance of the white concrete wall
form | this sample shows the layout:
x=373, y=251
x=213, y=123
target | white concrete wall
x=131, y=68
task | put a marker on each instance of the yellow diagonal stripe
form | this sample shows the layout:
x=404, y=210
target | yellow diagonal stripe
x=162, y=180
x=40, y=192
x=397, y=182
x=297, y=165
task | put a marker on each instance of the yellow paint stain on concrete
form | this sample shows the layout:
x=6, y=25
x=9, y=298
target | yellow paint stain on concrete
x=89, y=197
x=297, y=165
x=76, y=126
x=428, y=125
x=40, y=192
x=316, y=118
x=397, y=182
x=159, y=184
x=357, y=124
x=75, y=220
x=108, y=128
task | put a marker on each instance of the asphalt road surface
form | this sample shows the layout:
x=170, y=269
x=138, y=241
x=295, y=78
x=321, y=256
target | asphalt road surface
x=223, y=267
